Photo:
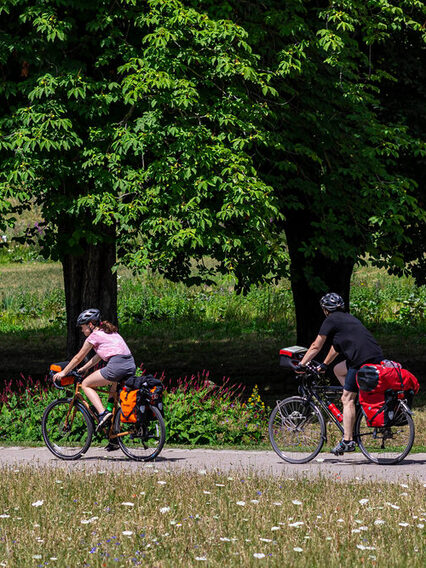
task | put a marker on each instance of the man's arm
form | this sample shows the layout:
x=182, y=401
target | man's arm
x=331, y=355
x=314, y=349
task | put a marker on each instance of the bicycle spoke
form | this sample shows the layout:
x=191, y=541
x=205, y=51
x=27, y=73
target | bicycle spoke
x=66, y=432
x=386, y=445
x=296, y=430
x=142, y=442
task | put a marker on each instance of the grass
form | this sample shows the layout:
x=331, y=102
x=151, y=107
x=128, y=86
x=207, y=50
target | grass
x=32, y=298
x=150, y=518
x=183, y=331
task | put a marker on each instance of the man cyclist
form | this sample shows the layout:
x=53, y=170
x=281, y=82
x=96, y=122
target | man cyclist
x=351, y=339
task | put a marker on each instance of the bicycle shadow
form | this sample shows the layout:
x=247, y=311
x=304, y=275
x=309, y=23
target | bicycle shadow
x=361, y=460
x=125, y=459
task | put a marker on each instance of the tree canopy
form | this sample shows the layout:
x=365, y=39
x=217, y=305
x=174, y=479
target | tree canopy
x=137, y=116
x=261, y=134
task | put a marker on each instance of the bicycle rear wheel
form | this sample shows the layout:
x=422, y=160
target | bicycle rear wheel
x=141, y=442
x=67, y=430
x=296, y=430
x=387, y=445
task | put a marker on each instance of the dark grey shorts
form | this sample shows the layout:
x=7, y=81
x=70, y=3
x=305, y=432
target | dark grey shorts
x=119, y=367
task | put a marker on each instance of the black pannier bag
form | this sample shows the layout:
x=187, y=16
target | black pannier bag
x=150, y=392
x=290, y=357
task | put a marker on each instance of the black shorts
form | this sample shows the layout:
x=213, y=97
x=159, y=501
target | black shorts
x=119, y=367
x=350, y=380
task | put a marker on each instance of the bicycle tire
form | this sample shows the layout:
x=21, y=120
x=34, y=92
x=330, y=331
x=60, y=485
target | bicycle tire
x=141, y=442
x=387, y=445
x=65, y=441
x=290, y=427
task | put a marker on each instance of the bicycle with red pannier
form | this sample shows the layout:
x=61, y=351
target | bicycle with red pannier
x=384, y=427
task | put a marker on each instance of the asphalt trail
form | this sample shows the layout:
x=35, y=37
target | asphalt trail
x=266, y=463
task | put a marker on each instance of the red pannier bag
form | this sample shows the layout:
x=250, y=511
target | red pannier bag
x=380, y=386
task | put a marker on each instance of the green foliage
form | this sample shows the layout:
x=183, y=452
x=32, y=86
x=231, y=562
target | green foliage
x=148, y=302
x=27, y=309
x=150, y=298
x=391, y=302
x=227, y=128
x=196, y=412
x=199, y=412
x=136, y=116
x=21, y=408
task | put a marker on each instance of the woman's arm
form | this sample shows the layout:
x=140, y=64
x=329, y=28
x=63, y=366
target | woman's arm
x=87, y=347
x=90, y=363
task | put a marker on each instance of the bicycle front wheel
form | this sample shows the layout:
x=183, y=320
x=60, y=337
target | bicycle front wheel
x=67, y=430
x=141, y=442
x=296, y=430
x=387, y=445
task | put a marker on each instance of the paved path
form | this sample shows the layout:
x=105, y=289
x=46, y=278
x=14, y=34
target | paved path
x=353, y=466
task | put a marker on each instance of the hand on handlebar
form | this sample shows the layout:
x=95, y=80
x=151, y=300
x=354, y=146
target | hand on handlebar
x=311, y=366
x=58, y=376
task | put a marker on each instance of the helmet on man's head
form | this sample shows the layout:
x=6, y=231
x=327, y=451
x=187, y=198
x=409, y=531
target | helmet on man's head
x=332, y=302
x=90, y=315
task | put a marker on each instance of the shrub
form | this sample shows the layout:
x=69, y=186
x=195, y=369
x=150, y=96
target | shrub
x=197, y=411
x=22, y=406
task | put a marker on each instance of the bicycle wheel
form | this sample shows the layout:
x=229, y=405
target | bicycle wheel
x=67, y=431
x=141, y=442
x=388, y=445
x=296, y=430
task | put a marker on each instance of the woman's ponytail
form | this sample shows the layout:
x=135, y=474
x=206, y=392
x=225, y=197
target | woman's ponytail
x=108, y=327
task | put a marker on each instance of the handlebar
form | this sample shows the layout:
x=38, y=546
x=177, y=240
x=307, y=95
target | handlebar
x=311, y=368
x=78, y=378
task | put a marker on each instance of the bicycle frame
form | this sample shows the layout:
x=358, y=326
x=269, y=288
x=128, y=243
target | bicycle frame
x=312, y=391
x=319, y=394
x=78, y=397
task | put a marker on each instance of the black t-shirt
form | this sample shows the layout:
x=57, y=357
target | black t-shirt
x=350, y=338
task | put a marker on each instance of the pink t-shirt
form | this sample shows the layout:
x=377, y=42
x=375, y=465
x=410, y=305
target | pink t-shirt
x=107, y=345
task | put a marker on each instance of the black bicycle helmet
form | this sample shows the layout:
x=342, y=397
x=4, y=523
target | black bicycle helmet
x=92, y=314
x=332, y=302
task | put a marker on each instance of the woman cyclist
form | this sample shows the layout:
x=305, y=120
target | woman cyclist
x=351, y=339
x=109, y=346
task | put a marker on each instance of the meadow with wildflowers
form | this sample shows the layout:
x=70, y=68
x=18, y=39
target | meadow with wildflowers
x=159, y=519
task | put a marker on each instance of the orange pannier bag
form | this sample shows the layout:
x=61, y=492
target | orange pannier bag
x=128, y=405
x=57, y=368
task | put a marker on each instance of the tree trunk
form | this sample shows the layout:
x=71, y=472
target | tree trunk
x=90, y=283
x=311, y=278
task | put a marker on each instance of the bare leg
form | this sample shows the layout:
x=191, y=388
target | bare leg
x=348, y=399
x=94, y=380
x=340, y=371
